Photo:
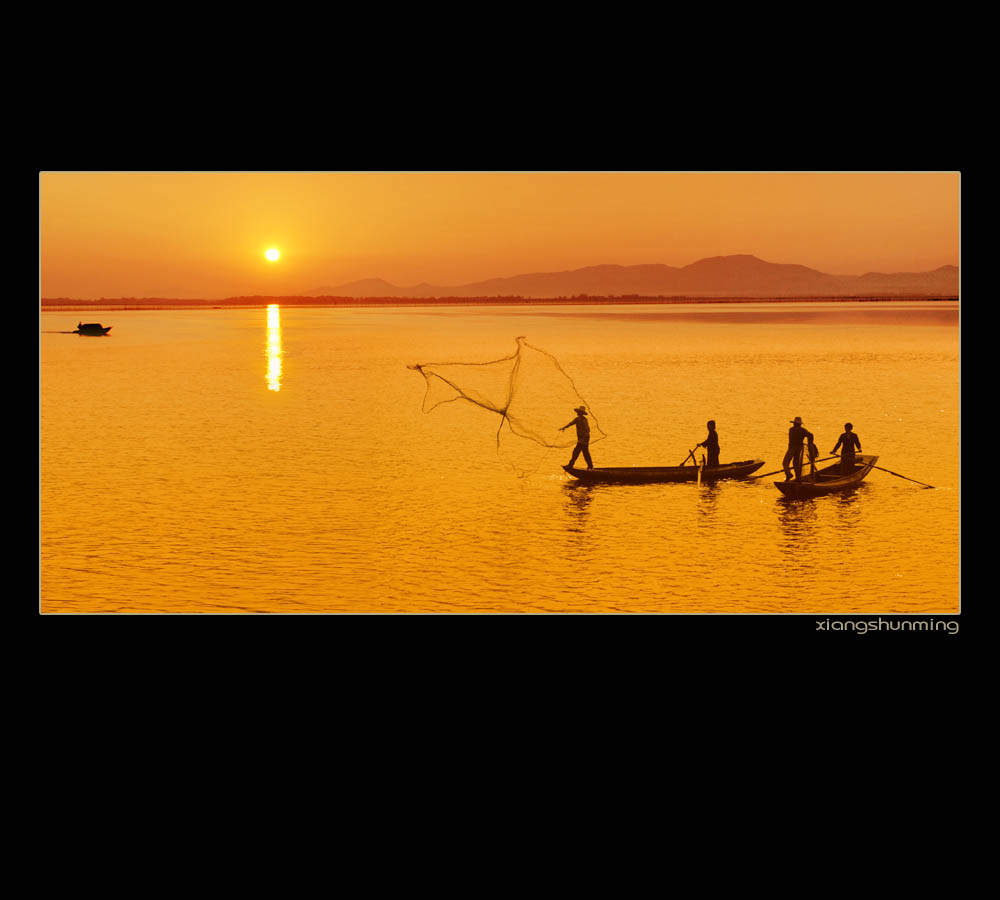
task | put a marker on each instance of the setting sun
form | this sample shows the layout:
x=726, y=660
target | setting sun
x=273, y=255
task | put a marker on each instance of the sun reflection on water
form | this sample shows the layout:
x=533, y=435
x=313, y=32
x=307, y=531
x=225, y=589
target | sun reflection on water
x=273, y=348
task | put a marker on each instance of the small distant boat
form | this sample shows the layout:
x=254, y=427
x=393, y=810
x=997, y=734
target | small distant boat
x=92, y=328
x=658, y=474
x=828, y=480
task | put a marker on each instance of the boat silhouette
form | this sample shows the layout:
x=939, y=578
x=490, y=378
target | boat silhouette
x=92, y=328
x=828, y=480
x=654, y=474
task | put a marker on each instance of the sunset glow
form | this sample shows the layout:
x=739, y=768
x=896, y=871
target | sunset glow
x=186, y=234
x=507, y=393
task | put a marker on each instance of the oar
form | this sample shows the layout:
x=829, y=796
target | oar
x=776, y=471
x=914, y=480
x=691, y=454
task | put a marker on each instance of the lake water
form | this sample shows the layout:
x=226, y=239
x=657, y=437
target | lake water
x=253, y=460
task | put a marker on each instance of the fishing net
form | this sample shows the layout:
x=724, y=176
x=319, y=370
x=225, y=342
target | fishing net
x=529, y=390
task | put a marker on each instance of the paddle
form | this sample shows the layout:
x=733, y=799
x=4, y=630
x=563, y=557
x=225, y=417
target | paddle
x=690, y=454
x=914, y=480
x=776, y=471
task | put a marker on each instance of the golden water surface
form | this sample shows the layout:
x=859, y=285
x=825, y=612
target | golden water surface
x=278, y=460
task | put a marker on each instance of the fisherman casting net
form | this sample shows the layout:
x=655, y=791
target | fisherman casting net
x=529, y=390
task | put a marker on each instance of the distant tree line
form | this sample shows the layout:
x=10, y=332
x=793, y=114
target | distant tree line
x=506, y=300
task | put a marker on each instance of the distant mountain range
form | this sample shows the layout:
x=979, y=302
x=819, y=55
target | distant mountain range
x=723, y=276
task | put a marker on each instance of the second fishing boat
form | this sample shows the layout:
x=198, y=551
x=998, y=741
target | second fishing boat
x=828, y=480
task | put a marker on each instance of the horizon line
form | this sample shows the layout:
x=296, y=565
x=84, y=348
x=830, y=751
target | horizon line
x=426, y=284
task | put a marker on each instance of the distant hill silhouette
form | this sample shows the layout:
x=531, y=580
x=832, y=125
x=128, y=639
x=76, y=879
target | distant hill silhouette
x=728, y=276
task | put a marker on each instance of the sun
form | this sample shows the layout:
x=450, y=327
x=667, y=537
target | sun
x=272, y=254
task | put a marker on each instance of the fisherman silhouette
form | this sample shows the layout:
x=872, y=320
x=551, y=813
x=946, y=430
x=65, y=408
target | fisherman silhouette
x=849, y=440
x=582, y=437
x=813, y=451
x=711, y=444
x=796, y=435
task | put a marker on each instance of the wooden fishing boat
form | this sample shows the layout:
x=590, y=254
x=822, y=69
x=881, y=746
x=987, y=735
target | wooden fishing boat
x=828, y=480
x=93, y=328
x=656, y=474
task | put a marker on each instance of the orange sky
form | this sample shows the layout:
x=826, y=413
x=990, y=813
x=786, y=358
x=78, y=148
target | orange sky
x=203, y=235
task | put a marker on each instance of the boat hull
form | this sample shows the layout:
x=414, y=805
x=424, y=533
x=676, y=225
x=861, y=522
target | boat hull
x=93, y=330
x=663, y=474
x=828, y=480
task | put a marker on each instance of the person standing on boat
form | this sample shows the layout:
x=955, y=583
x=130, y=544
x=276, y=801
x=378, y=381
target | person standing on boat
x=796, y=435
x=582, y=437
x=711, y=444
x=849, y=440
x=813, y=452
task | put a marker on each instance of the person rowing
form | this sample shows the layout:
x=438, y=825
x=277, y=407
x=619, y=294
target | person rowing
x=582, y=436
x=796, y=435
x=711, y=444
x=849, y=441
